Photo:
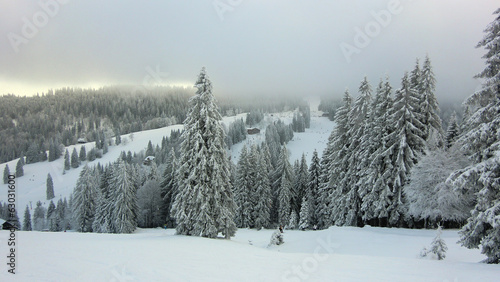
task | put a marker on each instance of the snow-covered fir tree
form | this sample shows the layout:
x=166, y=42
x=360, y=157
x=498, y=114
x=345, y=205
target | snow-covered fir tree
x=334, y=167
x=169, y=187
x=85, y=199
x=300, y=185
x=428, y=107
x=293, y=222
x=405, y=145
x=83, y=154
x=284, y=182
x=204, y=205
x=263, y=195
x=27, y=219
x=481, y=140
x=19, y=167
x=50, y=187
x=124, y=195
x=312, y=191
x=452, y=132
x=438, y=245
x=243, y=190
x=66, y=160
x=75, y=161
x=375, y=181
x=149, y=202
x=51, y=216
x=304, y=216
x=104, y=206
x=6, y=173
x=39, y=217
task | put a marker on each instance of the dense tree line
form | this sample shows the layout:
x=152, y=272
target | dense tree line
x=62, y=117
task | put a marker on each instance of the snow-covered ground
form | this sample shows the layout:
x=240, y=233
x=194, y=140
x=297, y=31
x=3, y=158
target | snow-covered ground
x=336, y=254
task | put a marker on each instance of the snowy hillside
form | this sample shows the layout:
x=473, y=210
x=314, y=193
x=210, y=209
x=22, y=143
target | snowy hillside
x=32, y=186
x=336, y=254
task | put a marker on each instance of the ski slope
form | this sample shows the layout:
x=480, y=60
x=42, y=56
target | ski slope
x=336, y=254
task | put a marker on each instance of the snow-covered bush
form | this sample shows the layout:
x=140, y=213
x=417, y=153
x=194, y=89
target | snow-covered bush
x=276, y=238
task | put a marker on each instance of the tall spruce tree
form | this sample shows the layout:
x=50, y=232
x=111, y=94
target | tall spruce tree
x=263, y=195
x=6, y=173
x=169, y=187
x=85, y=198
x=19, y=167
x=75, y=161
x=243, y=190
x=284, y=184
x=405, y=145
x=334, y=167
x=124, y=216
x=27, y=219
x=432, y=131
x=66, y=160
x=452, y=132
x=312, y=191
x=50, y=187
x=376, y=179
x=358, y=117
x=481, y=140
x=204, y=205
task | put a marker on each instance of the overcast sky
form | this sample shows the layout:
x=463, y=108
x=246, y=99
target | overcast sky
x=249, y=47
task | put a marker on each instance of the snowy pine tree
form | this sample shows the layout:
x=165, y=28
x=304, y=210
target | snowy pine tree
x=169, y=187
x=428, y=107
x=243, y=190
x=19, y=167
x=66, y=160
x=263, y=195
x=124, y=195
x=39, y=217
x=305, y=218
x=6, y=173
x=75, y=162
x=293, y=221
x=284, y=183
x=50, y=187
x=104, y=206
x=312, y=192
x=481, y=140
x=83, y=154
x=334, y=167
x=438, y=246
x=85, y=199
x=204, y=205
x=405, y=145
x=27, y=220
x=452, y=132
x=375, y=179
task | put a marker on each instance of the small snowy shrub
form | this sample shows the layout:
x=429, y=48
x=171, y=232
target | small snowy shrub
x=438, y=247
x=276, y=238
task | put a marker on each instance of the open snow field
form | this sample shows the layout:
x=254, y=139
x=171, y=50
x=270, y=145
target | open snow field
x=336, y=254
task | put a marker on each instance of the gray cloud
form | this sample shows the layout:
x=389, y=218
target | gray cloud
x=249, y=47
